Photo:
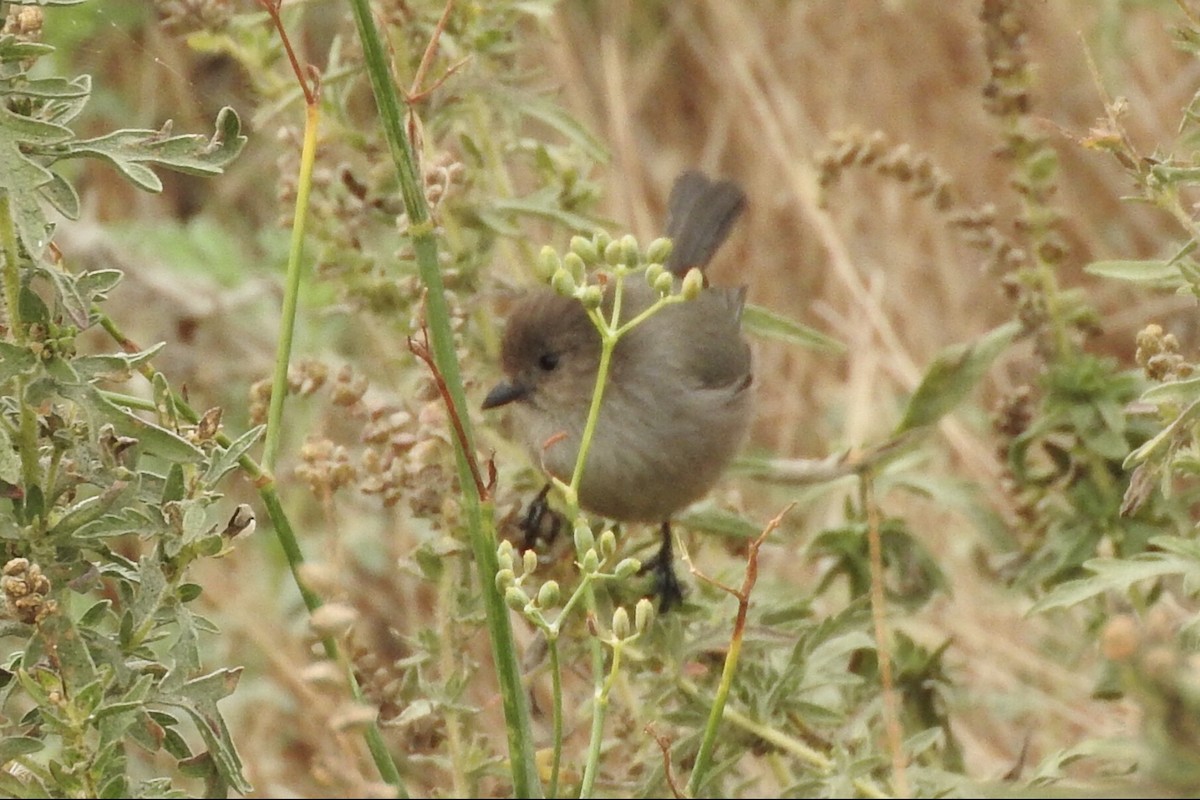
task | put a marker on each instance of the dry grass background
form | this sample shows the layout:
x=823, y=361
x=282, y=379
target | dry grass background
x=753, y=91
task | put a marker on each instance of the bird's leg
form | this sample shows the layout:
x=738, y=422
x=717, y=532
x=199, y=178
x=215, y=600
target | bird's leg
x=670, y=593
x=533, y=524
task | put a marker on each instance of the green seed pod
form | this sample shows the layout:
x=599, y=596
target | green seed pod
x=664, y=283
x=547, y=596
x=575, y=266
x=659, y=250
x=591, y=562
x=547, y=263
x=585, y=249
x=652, y=272
x=620, y=623
x=601, y=239
x=504, y=579
x=563, y=283
x=612, y=253
x=515, y=598
x=693, y=283
x=608, y=543
x=529, y=561
x=504, y=554
x=643, y=615
x=629, y=250
x=591, y=297
x=627, y=568
x=584, y=540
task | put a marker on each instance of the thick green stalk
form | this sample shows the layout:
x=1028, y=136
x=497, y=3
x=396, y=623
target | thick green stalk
x=716, y=712
x=480, y=526
x=556, y=693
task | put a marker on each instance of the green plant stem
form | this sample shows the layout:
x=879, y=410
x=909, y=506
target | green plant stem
x=27, y=429
x=608, y=341
x=610, y=331
x=480, y=526
x=291, y=291
x=716, y=712
x=556, y=693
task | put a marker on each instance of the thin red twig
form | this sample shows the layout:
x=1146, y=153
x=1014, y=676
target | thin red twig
x=312, y=90
x=665, y=747
x=421, y=351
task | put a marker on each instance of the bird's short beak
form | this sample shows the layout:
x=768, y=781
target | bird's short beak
x=504, y=393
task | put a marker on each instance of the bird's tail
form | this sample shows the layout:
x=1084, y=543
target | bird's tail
x=700, y=213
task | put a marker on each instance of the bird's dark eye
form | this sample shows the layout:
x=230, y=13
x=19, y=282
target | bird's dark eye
x=548, y=361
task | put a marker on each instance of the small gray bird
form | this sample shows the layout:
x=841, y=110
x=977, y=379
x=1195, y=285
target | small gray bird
x=677, y=403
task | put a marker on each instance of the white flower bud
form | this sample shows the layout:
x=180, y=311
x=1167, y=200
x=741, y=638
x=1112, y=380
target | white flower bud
x=627, y=568
x=659, y=250
x=548, y=595
x=664, y=283
x=547, y=263
x=620, y=623
x=607, y=544
x=515, y=598
x=584, y=540
x=643, y=615
x=693, y=283
x=563, y=283
x=585, y=249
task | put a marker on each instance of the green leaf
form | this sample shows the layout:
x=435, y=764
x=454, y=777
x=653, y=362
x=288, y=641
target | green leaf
x=1163, y=437
x=1138, y=271
x=227, y=459
x=10, y=462
x=15, y=360
x=61, y=194
x=93, y=508
x=721, y=523
x=153, y=439
x=46, y=88
x=96, y=284
x=13, y=746
x=173, y=489
x=152, y=586
x=1115, y=574
x=761, y=322
x=557, y=118
x=1185, y=391
x=75, y=665
x=96, y=613
x=69, y=300
x=130, y=151
x=21, y=176
x=198, y=698
x=13, y=49
x=128, y=520
x=953, y=373
x=114, y=365
x=544, y=205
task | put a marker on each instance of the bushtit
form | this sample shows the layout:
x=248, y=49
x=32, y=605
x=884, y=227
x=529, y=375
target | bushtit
x=677, y=402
